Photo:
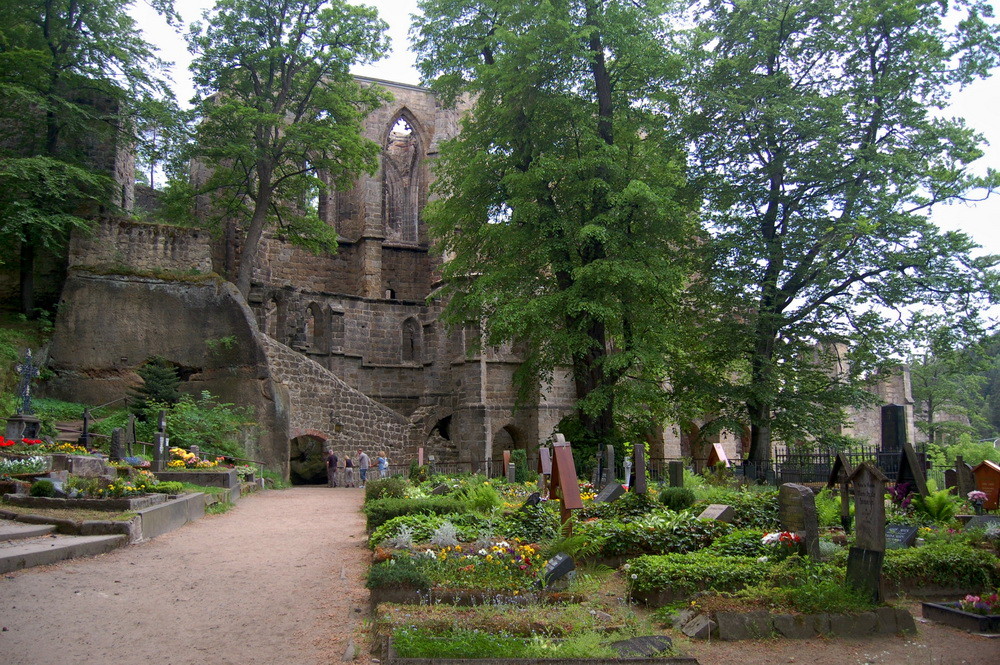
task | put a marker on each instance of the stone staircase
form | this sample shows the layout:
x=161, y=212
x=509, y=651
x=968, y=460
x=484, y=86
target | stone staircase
x=27, y=545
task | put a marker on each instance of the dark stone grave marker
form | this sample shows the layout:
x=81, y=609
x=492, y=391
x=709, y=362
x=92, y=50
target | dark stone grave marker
x=609, y=465
x=718, y=511
x=644, y=646
x=440, y=489
x=964, y=481
x=797, y=513
x=951, y=479
x=533, y=500
x=982, y=521
x=160, y=443
x=557, y=568
x=899, y=536
x=511, y=472
x=609, y=493
x=130, y=439
x=639, y=485
x=909, y=469
x=675, y=472
x=117, y=451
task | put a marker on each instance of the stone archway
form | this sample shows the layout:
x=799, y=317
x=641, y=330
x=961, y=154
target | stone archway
x=307, y=460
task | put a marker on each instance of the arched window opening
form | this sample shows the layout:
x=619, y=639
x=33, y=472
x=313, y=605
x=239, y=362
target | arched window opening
x=400, y=182
x=315, y=328
x=411, y=340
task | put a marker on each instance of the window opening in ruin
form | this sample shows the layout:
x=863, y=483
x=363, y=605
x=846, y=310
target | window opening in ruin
x=336, y=329
x=271, y=318
x=411, y=340
x=443, y=428
x=400, y=182
x=315, y=328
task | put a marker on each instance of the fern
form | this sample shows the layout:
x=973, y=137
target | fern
x=940, y=506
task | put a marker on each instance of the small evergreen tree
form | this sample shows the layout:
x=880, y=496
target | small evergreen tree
x=159, y=384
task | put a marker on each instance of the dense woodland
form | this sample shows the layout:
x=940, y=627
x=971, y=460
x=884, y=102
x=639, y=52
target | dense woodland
x=695, y=206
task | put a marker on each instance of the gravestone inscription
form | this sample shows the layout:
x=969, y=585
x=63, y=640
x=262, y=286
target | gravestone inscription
x=899, y=536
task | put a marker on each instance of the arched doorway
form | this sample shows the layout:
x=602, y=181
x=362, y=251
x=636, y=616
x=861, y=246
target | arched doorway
x=307, y=460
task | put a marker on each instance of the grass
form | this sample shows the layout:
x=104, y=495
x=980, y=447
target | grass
x=75, y=514
x=219, y=507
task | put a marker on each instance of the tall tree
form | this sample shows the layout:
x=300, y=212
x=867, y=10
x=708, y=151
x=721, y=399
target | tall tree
x=277, y=105
x=820, y=153
x=563, y=206
x=71, y=74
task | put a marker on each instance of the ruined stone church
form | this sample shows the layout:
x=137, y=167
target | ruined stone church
x=340, y=351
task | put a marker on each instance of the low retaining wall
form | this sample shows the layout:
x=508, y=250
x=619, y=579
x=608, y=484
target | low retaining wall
x=466, y=597
x=204, y=478
x=392, y=658
x=732, y=626
x=108, y=505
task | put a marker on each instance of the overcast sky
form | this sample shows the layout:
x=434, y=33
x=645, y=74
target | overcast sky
x=978, y=104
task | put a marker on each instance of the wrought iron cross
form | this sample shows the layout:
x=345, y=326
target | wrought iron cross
x=28, y=372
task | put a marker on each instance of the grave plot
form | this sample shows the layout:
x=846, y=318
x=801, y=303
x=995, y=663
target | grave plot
x=744, y=562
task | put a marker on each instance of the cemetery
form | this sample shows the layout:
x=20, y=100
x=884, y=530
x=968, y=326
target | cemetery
x=706, y=558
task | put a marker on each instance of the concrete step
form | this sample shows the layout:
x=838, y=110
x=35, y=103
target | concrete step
x=19, y=531
x=18, y=554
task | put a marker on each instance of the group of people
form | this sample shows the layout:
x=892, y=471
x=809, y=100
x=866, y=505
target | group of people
x=363, y=465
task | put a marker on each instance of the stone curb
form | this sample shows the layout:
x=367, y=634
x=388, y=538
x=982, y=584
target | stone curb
x=731, y=626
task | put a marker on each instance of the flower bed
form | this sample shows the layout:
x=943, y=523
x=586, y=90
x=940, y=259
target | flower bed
x=952, y=614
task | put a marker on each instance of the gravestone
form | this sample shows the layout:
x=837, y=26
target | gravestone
x=130, y=439
x=160, y=443
x=557, y=568
x=719, y=512
x=609, y=465
x=839, y=474
x=893, y=427
x=643, y=646
x=675, y=473
x=717, y=454
x=565, y=485
x=609, y=493
x=117, y=451
x=864, y=561
x=84, y=439
x=23, y=424
x=440, y=489
x=964, y=479
x=544, y=470
x=797, y=513
x=533, y=500
x=951, y=480
x=511, y=472
x=982, y=521
x=910, y=470
x=597, y=476
x=639, y=485
x=899, y=536
x=987, y=476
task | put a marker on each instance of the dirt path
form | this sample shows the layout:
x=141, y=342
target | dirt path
x=277, y=579
x=263, y=584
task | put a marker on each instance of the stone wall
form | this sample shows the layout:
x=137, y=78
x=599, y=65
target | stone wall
x=323, y=406
x=143, y=248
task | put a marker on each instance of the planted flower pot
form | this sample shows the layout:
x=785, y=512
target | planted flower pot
x=953, y=615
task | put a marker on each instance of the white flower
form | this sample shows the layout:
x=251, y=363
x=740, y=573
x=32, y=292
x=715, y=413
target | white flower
x=634, y=576
x=762, y=559
x=771, y=538
x=482, y=552
x=626, y=566
x=503, y=543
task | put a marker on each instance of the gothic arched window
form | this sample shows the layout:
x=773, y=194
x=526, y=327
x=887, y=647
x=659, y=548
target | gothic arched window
x=400, y=182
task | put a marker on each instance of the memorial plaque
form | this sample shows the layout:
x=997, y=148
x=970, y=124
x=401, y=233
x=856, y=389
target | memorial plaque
x=718, y=511
x=557, y=568
x=675, y=472
x=898, y=536
x=987, y=476
x=797, y=513
x=609, y=493
x=982, y=521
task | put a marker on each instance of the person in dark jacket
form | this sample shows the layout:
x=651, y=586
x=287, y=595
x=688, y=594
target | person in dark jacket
x=331, y=468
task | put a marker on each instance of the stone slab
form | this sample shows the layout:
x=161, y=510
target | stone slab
x=17, y=531
x=744, y=625
x=55, y=548
x=700, y=627
x=642, y=646
x=171, y=515
x=719, y=512
x=228, y=478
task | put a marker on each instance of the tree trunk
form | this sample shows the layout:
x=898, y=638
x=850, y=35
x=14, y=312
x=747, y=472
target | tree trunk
x=255, y=231
x=588, y=376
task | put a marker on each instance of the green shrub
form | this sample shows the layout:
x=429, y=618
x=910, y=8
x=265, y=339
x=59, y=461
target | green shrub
x=422, y=526
x=43, y=488
x=531, y=524
x=943, y=563
x=167, y=487
x=629, y=506
x=828, y=508
x=382, y=510
x=689, y=573
x=754, y=508
x=418, y=472
x=656, y=533
x=402, y=571
x=392, y=487
x=481, y=497
x=677, y=498
x=522, y=473
x=742, y=542
x=940, y=506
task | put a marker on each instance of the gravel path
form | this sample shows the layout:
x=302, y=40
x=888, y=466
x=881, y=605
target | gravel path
x=277, y=579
